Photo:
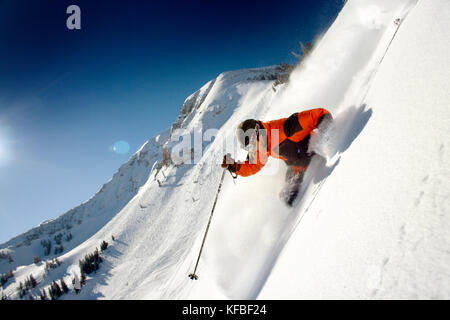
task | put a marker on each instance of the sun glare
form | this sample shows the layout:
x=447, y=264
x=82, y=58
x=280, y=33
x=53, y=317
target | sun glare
x=4, y=150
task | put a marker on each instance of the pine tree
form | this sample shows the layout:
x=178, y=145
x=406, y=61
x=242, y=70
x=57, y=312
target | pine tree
x=68, y=237
x=33, y=281
x=47, y=245
x=20, y=290
x=27, y=284
x=55, y=290
x=83, y=278
x=5, y=277
x=58, y=290
x=103, y=245
x=43, y=295
x=64, y=287
x=90, y=263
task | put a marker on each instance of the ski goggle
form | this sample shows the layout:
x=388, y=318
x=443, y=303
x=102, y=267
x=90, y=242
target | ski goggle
x=252, y=144
x=248, y=139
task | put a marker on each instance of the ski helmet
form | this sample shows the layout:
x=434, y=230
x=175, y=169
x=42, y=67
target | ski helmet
x=247, y=133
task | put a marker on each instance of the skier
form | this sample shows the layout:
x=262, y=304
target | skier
x=293, y=135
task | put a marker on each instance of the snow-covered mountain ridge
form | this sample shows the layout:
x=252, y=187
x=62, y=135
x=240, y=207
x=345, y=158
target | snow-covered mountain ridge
x=79, y=224
x=125, y=183
x=372, y=223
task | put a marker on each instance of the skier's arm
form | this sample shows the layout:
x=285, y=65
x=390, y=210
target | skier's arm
x=301, y=124
x=324, y=121
x=246, y=168
x=312, y=119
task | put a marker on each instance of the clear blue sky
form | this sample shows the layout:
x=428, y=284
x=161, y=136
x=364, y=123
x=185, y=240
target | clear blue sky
x=67, y=96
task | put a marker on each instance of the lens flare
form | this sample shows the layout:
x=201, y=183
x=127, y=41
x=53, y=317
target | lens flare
x=121, y=147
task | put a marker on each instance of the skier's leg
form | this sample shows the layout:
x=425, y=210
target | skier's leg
x=284, y=193
x=294, y=186
x=289, y=173
x=293, y=178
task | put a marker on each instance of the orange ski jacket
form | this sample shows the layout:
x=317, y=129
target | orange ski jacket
x=293, y=135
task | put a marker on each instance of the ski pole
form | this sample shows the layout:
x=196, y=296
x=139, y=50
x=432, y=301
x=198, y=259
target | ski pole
x=193, y=276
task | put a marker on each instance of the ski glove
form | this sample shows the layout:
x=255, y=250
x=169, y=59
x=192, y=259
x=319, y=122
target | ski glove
x=229, y=163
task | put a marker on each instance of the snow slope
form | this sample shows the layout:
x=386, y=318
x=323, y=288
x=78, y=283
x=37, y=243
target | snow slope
x=379, y=228
x=372, y=223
